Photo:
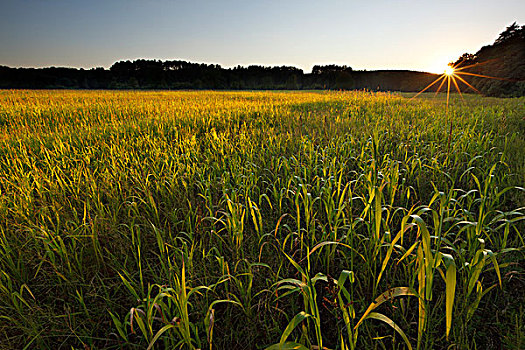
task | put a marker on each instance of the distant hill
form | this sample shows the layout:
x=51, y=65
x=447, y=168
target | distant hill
x=504, y=60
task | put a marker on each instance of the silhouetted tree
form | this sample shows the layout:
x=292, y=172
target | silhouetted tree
x=512, y=31
x=466, y=59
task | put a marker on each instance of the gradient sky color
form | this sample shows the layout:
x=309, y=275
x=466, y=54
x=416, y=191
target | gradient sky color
x=366, y=34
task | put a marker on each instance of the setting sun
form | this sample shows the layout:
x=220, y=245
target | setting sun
x=449, y=71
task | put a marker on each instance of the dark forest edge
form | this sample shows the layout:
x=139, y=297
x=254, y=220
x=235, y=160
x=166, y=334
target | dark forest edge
x=503, y=59
x=176, y=75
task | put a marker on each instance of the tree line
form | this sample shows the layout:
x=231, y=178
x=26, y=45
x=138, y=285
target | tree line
x=179, y=74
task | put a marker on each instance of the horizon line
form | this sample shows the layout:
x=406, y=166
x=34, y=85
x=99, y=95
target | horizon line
x=214, y=63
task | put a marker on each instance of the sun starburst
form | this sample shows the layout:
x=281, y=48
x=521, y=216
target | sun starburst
x=451, y=75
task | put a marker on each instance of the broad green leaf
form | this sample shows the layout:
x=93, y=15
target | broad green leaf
x=429, y=260
x=159, y=333
x=287, y=346
x=343, y=276
x=118, y=325
x=492, y=257
x=399, y=236
x=300, y=317
x=388, y=295
x=392, y=324
x=450, y=290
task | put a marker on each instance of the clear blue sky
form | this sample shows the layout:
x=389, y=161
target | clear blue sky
x=365, y=34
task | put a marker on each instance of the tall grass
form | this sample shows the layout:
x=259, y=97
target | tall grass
x=336, y=220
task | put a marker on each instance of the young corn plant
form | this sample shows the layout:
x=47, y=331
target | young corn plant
x=306, y=287
x=164, y=316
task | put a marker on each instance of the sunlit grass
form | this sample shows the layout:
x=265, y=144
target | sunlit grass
x=246, y=219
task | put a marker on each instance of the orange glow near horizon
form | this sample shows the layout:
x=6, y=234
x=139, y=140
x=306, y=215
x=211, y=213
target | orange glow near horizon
x=449, y=71
x=450, y=74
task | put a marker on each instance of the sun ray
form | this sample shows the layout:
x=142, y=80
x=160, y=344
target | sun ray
x=482, y=76
x=439, y=88
x=466, y=83
x=474, y=65
x=457, y=88
x=428, y=86
x=448, y=90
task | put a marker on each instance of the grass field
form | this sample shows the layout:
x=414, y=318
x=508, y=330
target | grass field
x=241, y=220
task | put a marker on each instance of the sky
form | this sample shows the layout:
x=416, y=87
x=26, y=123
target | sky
x=366, y=34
